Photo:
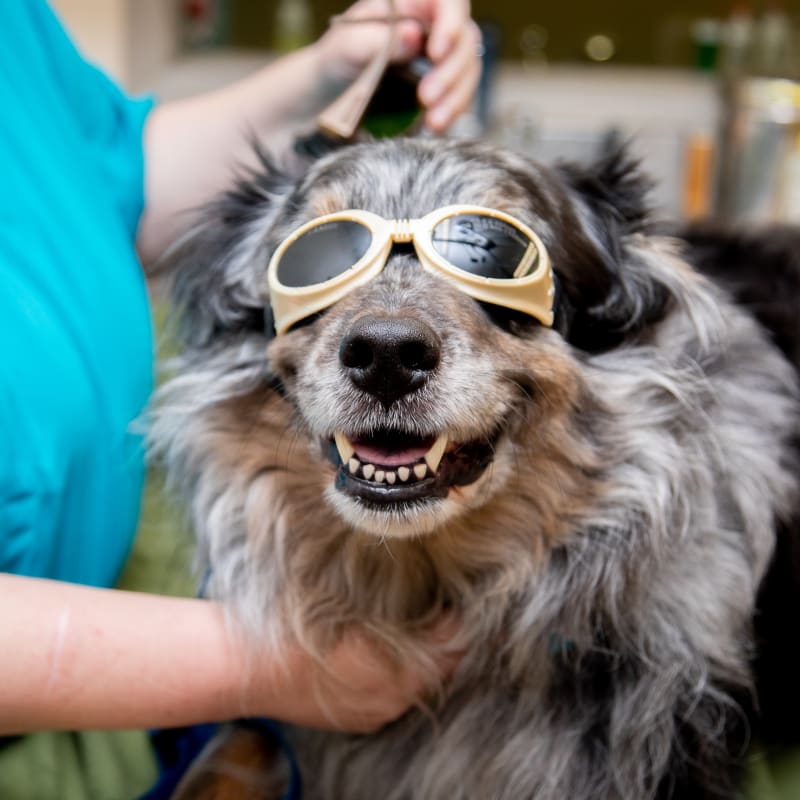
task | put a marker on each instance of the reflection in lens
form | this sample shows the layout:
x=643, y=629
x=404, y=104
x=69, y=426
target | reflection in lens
x=323, y=252
x=485, y=246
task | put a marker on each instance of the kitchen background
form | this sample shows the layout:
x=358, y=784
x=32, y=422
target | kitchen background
x=708, y=91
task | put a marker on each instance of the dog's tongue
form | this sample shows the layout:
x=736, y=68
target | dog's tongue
x=370, y=453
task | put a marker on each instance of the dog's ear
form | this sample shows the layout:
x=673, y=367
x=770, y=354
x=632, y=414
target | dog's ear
x=215, y=270
x=613, y=185
x=609, y=293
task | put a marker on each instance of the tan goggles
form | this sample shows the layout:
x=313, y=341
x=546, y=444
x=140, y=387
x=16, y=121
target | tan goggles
x=485, y=253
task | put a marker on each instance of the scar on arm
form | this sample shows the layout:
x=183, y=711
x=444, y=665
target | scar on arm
x=62, y=627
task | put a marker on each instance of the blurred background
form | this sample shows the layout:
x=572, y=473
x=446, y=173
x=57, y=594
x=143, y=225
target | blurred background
x=709, y=90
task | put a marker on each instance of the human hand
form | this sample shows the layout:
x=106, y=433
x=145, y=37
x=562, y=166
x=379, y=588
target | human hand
x=357, y=687
x=452, y=45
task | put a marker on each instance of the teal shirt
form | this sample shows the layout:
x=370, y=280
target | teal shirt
x=75, y=333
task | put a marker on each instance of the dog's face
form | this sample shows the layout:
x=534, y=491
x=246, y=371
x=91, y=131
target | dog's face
x=412, y=397
x=410, y=393
x=408, y=404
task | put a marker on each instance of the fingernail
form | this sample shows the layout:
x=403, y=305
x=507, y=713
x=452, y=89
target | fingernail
x=429, y=91
x=437, y=119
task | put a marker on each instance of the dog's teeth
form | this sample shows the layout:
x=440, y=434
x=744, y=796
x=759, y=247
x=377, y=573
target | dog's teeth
x=380, y=476
x=391, y=477
x=353, y=464
x=368, y=470
x=346, y=450
x=404, y=473
x=434, y=456
x=420, y=470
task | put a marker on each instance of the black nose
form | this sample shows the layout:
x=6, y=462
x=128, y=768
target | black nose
x=389, y=357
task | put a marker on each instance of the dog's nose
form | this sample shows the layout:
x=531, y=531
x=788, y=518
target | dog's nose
x=389, y=357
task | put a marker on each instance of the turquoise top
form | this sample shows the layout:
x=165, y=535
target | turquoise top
x=75, y=330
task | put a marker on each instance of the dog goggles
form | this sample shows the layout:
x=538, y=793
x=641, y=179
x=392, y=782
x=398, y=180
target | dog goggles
x=485, y=253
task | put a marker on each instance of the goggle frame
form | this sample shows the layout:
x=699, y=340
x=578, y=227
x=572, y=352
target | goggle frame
x=532, y=294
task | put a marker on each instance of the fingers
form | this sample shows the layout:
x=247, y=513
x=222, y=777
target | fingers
x=348, y=46
x=363, y=688
x=452, y=45
x=360, y=684
x=453, y=48
x=360, y=688
x=443, y=630
x=448, y=89
x=450, y=17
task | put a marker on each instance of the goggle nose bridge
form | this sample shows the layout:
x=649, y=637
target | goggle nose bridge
x=401, y=231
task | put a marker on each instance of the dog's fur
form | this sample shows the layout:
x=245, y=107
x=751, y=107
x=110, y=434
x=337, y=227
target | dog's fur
x=604, y=565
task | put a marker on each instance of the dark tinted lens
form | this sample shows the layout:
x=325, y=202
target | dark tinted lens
x=323, y=252
x=486, y=246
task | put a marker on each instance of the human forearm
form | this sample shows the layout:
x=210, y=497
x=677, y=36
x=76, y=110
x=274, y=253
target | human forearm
x=77, y=657
x=194, y=146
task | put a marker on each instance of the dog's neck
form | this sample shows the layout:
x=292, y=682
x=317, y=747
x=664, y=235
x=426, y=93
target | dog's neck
x=331, y=575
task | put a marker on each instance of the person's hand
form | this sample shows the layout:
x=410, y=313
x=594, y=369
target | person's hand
x=453, y=45
x=356, y=687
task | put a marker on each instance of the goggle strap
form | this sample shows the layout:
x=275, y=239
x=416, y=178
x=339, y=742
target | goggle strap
x=563, y=310
x=269, y=322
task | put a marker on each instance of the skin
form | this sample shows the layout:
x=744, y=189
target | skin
x=89, y=658
x=103, y=659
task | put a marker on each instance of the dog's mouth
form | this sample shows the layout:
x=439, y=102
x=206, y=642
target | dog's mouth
x=390, y=467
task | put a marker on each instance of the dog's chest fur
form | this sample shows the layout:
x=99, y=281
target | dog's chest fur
x=604, y=566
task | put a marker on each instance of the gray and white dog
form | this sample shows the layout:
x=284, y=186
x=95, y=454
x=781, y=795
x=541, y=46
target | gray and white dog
x=603, y=513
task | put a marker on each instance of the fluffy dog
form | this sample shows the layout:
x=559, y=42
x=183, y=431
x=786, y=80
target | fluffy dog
x=602, y=515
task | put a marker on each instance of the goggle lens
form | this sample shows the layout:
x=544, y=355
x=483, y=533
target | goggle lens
x=323, y=252
x=485, y=246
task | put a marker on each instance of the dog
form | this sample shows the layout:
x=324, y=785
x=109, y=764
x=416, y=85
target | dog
x=601, y=477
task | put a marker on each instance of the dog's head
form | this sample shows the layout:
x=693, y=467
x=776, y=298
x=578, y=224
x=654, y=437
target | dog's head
x=407, y=403
x=478, y=439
